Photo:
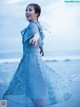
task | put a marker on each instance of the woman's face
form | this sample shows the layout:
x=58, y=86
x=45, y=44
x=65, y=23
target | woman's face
x=30, y=13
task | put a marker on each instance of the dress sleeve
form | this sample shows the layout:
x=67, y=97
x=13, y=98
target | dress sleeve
x=42, y=36
x=41, y=32
x=35, y=29
x=30, y=31
x=40, y=42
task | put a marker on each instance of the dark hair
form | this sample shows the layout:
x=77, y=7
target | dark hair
x=37, y=8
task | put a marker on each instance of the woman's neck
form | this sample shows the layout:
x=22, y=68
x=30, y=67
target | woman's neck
x=34, y=21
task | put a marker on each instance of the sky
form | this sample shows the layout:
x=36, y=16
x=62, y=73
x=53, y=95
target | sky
x=60, y=18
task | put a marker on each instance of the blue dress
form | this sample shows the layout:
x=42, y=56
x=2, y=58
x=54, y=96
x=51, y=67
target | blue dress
x=33, y=79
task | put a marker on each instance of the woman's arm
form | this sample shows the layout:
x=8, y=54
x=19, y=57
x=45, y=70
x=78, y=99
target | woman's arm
x=34, y=39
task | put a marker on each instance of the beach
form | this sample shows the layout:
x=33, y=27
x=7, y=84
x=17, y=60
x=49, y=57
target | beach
x=60, y=22
x=69, y=69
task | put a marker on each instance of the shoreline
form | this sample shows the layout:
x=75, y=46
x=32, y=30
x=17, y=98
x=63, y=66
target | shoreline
x=44, y=58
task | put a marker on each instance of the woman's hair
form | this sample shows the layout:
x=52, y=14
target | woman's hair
x=37, y=8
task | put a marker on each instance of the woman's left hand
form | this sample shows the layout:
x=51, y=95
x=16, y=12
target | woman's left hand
x=34, y=40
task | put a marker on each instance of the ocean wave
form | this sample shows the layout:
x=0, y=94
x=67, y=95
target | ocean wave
x=9, y=60
x=61, y=58
x=45, y=58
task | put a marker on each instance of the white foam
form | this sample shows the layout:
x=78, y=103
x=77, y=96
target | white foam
x=61, y=58
x=9, y=60
x=45, y=58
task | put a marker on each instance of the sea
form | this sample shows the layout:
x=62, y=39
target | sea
x=50, y=56
x=65, y=63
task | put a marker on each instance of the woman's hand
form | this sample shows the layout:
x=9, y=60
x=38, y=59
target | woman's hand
x=34, y=40
x=41, y=51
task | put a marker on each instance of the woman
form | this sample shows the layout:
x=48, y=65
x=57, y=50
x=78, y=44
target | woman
x=34, y=83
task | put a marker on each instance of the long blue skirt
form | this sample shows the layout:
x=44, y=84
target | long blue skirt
x=34, y=80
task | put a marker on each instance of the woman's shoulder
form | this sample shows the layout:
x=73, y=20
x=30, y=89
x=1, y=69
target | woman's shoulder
x=32, y=25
